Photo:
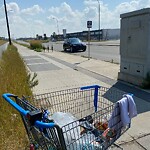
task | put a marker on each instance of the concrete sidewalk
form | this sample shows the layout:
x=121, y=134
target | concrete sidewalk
x=57, y=71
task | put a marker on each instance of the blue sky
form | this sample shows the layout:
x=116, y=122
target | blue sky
x=31, y=17
x=75, y=4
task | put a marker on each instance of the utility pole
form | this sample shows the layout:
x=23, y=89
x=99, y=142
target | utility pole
x=99, y=19
x=7, y=23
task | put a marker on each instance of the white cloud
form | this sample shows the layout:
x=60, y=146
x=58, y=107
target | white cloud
x=66, y=10
x=75, y=20
x=13, y=8
x=17, y=20
x=20, y=25
x=55, y=10
x=67, y=17
x=111, y=18
x=89, y=3
x=90, y=12
x=33, y=10
x=127, y=7
x=40, y=21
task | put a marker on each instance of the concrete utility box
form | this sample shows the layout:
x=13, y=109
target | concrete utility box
x=135, y=46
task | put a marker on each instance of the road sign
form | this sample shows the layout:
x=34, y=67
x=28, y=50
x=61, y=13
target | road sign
x=89, y=24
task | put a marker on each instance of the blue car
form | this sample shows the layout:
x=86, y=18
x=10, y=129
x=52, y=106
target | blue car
x=74, y=44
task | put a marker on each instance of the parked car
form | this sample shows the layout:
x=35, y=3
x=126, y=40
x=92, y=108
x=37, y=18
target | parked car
x=74, y=44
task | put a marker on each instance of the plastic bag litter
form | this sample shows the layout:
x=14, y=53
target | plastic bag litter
x=69, y=124
x=62, y=119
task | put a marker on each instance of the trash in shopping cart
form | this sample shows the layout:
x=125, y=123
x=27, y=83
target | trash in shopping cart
x=62, y=118
x=78, y=130
x=73, y=119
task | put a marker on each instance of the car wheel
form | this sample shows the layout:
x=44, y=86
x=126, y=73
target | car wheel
x=84, y=49
x=71, y=49
x=65, y=50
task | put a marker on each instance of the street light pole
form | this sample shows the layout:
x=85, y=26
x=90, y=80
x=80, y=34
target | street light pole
x=7, y=22
x=57, y=25
x=99, y=18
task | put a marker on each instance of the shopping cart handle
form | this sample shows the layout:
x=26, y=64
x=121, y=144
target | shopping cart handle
x=90, y=87
x=41, y=124
x=96, y=88
x=7, y=97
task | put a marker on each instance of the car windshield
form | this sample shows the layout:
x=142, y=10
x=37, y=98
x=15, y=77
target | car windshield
x=75, y=40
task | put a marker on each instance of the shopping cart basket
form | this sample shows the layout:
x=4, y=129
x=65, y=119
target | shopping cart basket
x=90, y=106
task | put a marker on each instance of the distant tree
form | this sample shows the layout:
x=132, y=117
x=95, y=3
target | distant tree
x=45, y=37
x=37, y=36
x=54, y=36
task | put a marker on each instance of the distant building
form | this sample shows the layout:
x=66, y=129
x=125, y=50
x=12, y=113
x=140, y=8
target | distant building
x=111, y=34
x=103, y=34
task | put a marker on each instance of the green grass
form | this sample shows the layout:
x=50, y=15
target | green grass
x=13, y=79
x=25, y=45
x=2, y=42
x=41, y=41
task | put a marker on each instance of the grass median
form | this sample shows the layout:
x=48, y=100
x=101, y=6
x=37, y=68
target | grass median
x=13, y=79
x=2, y=42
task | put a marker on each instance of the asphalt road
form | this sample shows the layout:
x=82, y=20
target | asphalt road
x=107, y=51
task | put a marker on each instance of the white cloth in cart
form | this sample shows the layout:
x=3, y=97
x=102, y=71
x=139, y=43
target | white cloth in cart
x=132, y=106
x=127, y=108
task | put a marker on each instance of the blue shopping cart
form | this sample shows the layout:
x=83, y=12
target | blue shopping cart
x=90, y=105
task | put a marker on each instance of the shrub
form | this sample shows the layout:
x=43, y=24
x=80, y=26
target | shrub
x=2, y=42
x=38, y=50
x=32, y=81
x=36, y=45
